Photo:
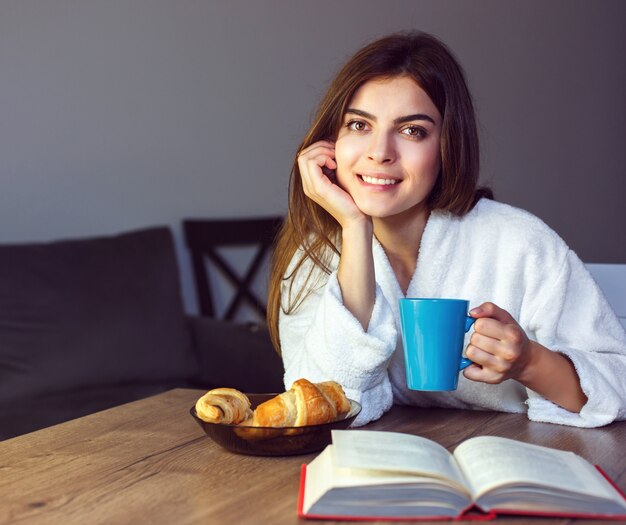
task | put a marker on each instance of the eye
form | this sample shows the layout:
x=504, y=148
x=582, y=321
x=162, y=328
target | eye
x=356, y=125
x=414, y=131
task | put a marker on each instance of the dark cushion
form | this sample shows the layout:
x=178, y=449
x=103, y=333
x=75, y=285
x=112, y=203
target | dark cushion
x=90, y=312
x=236, y=355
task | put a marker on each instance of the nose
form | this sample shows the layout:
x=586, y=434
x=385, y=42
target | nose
x=381, y=149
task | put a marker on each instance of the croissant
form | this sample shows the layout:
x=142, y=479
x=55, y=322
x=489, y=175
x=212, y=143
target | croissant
x=223, y=405
x=305, y=403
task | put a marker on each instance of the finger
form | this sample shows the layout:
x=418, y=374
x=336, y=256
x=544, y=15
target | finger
x=508, y=336
x=331, y=163
x=314, y=164
x=315, y=183
x=499, y=362
x=481, y=357
x=493, y=311
x=490, y=327
x=321, y=160
x=329, y=152
x=311, y=167
x=313, y=172
x=483, y=375
x=313, y=148
x=504, y=351
x=486, y=343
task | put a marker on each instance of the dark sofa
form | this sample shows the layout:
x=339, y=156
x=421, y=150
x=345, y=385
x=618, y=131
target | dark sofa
x=92, y=323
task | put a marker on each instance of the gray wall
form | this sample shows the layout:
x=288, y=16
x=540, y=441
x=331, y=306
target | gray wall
x=119, y=114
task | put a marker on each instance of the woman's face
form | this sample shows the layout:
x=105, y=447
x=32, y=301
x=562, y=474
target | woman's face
x=388, y=148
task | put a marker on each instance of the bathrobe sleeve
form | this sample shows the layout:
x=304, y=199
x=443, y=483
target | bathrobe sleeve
x=321, y=340
x=576, y=320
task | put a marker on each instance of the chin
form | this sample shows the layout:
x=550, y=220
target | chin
x=377, y=212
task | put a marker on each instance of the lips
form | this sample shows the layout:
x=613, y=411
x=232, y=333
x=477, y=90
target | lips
x=379, y=180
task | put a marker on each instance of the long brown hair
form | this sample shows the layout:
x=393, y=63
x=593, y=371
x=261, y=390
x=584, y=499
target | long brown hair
x=432, y=66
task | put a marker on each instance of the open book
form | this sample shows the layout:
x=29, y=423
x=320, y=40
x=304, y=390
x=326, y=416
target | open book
x=386, y=475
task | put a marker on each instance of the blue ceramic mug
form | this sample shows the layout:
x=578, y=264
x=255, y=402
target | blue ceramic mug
x=433, y=331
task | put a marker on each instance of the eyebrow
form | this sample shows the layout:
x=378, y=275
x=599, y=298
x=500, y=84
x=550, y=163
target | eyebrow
x=399, y=120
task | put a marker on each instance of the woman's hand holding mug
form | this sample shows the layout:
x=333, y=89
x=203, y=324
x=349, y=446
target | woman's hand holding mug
x=499, y=347
x=502, y=350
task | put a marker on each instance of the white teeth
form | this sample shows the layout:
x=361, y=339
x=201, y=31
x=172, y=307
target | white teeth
x=375, y=180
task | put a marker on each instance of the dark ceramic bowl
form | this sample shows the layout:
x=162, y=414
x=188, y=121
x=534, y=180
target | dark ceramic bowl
x=267, y=441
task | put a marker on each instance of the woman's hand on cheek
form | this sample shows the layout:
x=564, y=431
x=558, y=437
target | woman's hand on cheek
x=498, y=346
x=319, y=187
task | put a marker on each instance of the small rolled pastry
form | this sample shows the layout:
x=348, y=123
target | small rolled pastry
x=305, y=403
x=224, y=405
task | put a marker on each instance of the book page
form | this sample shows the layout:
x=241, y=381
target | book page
x=397, y=452
x=389, y=489
x=330, y=490
x=491, y=461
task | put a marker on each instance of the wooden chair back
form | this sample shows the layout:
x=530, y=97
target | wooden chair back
x=205, y=238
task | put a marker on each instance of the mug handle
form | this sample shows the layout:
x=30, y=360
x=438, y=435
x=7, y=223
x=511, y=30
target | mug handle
x=465, y=362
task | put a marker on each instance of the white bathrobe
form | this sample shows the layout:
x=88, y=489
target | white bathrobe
x=494, y=253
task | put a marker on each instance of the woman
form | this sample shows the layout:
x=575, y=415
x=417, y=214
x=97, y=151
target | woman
x=384, y=204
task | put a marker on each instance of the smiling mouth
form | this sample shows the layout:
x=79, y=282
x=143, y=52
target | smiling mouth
x=378, y=181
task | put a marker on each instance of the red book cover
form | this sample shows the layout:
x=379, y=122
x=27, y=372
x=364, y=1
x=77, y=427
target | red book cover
x=471, y=513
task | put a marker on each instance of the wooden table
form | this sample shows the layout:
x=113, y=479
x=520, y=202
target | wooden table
x=149, y=462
